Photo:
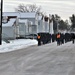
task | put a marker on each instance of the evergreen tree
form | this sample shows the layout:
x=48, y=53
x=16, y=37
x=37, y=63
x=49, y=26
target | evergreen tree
x=72, y=21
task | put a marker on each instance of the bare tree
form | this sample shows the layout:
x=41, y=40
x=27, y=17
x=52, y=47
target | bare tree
x=28, y=8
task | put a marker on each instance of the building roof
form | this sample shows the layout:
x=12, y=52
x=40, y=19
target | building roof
x=9, y=23
x=23, y=21
x=20, y=15
x=27, y=15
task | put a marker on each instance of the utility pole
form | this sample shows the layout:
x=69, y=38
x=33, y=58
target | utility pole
x=1, y=22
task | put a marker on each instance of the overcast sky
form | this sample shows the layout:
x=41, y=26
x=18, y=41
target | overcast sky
x=63, y=8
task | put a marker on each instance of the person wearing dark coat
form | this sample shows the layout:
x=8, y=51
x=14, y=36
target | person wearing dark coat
x=53, y=37
x=50, y=38
x=66, y=37
x=73, y=37
x=58, y=36
x=39, y=40
x=62, y=38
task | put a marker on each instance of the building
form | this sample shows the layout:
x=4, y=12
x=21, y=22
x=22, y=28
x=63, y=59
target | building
x=43, y=24
x=29, y=23
x=31, y=16
x=10, y=29
x=25, y=27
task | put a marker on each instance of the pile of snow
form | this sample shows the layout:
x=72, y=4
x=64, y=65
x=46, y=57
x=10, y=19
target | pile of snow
x=3, y=42
x=16, y=44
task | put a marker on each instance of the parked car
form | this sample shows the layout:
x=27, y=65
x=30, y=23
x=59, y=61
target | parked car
x=31, y=36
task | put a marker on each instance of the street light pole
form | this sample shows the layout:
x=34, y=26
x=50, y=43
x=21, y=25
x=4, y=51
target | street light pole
x=1, y=22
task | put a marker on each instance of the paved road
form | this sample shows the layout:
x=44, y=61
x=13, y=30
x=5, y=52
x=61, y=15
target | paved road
x=47, y=59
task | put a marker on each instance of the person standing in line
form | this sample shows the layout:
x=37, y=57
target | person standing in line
x=53, y=37
x=58, y=39
x=50, y=38
x=73, y=37
x=39, y=40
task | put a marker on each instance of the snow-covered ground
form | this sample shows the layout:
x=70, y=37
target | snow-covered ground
x=48, y=59
x=16, y=44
